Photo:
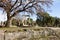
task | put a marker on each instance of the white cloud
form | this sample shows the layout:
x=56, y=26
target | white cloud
x=2, y=17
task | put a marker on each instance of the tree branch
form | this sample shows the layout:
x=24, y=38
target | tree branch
x=28, y=3
x=25, y=7
x=17, y=6
x=16, y=13
x=14, y=4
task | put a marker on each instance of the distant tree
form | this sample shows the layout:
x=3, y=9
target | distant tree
x=42, y=19
x=57, y=22
x=13, y=7
x=30, y=21
x=45, y=20
x=50, y=21
x=14, y=22
x=39, y=22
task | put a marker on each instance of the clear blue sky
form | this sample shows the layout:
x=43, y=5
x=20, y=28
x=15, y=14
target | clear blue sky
x=55, y=11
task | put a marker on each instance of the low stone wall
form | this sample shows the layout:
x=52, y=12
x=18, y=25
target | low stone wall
x=1, y=35
x=28, y=34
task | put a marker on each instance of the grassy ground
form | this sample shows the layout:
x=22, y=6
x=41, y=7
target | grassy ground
x=24, y=28
x=20, y=28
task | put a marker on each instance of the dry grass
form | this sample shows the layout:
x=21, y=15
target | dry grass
x=23, y=28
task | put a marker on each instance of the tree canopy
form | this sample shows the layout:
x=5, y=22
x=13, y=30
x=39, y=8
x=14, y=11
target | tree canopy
x=47, y=20
x=13, y=7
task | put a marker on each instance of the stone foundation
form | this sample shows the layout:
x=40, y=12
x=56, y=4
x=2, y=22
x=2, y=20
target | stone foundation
x=28, y=34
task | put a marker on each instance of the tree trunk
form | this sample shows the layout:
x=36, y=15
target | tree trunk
x=8, y=22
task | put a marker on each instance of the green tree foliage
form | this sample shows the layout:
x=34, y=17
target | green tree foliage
x=29, y=21
x=47, y=20
x=57, y=22
x=14, y=22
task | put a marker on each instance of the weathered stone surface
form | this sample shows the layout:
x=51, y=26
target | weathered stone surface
x=43, y=34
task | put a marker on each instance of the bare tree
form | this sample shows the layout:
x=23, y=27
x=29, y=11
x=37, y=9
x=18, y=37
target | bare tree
x=13, y=7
